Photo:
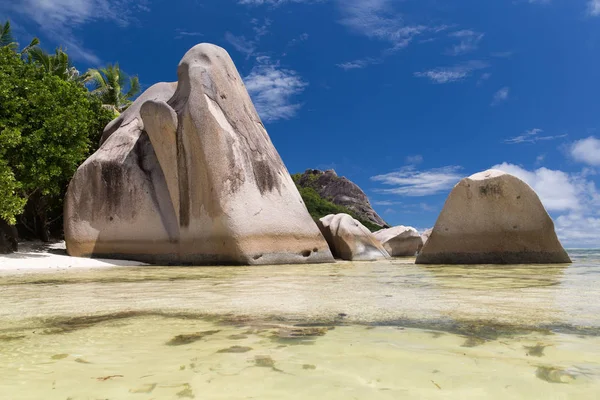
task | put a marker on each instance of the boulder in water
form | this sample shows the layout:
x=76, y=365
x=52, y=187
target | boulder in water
x=350, y=240
x=400, y=241
x=493, y=218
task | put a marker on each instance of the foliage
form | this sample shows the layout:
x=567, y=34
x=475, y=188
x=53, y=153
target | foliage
x=46, y=122
x=110, y=83
x=319, y=207
x=57, y=64
x=7, y=39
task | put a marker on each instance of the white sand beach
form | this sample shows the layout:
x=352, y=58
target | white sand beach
x=35, y=257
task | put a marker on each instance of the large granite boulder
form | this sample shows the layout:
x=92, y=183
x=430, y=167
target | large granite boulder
x=189, y=175
x=341, y=191
x=400, y=241
x=8, y=238
x=350, y=240
x=493, y=218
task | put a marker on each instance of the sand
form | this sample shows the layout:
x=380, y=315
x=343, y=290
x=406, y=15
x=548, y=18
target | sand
x=35, y=257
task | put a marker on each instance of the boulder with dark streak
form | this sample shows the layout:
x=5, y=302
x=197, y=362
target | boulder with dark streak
x=493, y=218
x=189, y=175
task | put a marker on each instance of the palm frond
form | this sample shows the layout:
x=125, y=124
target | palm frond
x=6, y=37
x=34, y=42
x=134, y=87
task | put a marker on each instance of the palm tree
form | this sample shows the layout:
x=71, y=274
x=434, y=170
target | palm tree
x=57, y=64
x=7, y=39
x=109, y=85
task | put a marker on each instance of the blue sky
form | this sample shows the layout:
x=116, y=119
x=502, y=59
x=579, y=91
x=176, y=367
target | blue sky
x=404, y=97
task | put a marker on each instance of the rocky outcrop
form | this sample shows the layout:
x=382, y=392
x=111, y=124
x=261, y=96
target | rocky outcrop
x=493, y=218
x=350, y=240
x=8, y=238
x=400, y=241
x=189, y=175
x=341, y=191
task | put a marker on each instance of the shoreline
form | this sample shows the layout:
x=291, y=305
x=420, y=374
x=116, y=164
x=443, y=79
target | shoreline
x=39, y=257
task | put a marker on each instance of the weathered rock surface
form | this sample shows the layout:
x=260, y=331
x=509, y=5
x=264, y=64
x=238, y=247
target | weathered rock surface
x=189, y=175
x=400, y=241
x=343, y=192
x=350, y=240
x=8, y=238
x=426, y=234
x=493, y=218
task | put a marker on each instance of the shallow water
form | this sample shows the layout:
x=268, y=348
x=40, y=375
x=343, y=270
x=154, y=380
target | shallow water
x=348, y=330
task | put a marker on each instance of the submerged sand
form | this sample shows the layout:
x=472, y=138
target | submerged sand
x=369, y=330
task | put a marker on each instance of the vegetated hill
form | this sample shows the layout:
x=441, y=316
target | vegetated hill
x=324, y=192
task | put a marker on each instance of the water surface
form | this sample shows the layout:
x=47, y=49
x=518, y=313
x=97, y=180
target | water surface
x=348, y=330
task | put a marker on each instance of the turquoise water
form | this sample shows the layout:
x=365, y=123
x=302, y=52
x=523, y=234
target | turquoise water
x=347, y=330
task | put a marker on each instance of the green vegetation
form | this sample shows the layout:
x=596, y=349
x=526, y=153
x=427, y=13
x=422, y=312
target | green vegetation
x=109, y=85
x=49, y=123
x=318, y=207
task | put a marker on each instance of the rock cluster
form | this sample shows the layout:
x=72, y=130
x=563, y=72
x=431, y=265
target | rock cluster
x=343, y=192
x=350, y=240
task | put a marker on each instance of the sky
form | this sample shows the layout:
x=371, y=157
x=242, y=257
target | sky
x=403, y=97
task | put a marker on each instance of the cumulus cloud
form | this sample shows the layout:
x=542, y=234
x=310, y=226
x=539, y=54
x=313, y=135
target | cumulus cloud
x=273, y=90
x=451, y=74
x=587, y=151
x=58, y=19
x=409, y=181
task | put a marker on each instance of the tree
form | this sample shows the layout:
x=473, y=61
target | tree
x=7, y=39
x=57, y=64
x=109, y=85
x=45, y=128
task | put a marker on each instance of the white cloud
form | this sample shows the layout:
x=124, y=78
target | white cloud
x=468, y=41
x=180, y=34
x=558, y=190
x=376, y=19
x=408, y=181
x=594, y=7
x=532, y=136
x=501, y=96
x=587, y=151
x=359, y=64
x=58, y=19
x=241, y=44
x=577, y=229
x=452, y=74
x=273, y=89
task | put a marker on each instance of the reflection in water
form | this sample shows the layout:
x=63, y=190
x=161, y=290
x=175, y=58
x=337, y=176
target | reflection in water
x=350, y=330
